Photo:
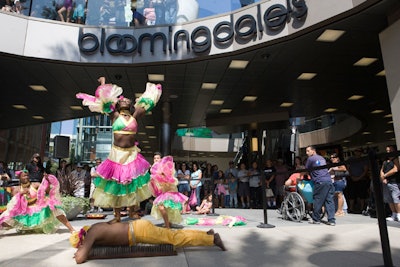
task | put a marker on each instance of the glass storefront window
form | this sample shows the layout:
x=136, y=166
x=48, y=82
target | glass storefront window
x=135, y=13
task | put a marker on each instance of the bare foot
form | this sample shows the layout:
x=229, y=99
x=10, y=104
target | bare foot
x=81, y=255
x=218, y=242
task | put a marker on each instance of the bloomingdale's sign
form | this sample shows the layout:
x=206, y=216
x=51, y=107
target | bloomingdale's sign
x=200, y=39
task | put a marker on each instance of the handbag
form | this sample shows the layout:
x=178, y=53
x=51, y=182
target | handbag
x=269, y=192
x=193, y=198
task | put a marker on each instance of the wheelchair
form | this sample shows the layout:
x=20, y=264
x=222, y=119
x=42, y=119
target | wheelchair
x=297, y=204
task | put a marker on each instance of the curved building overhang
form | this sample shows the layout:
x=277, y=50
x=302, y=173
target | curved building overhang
x=65, y=59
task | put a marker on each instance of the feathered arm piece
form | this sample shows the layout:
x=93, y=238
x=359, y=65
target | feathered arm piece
x=77, y=238
x=150, y=97
x=104, y=100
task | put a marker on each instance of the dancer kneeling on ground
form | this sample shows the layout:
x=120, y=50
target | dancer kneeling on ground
x=138, y=231
x=35, y=206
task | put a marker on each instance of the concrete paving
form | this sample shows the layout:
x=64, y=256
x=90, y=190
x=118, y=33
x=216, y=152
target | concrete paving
x=354, y=241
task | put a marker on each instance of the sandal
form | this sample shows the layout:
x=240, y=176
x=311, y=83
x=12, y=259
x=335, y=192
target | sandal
x=339, y=214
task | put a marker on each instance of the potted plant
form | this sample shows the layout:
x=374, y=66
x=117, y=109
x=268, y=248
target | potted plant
x=72, y=205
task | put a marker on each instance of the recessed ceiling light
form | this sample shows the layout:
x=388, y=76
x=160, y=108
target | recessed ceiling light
x=152, y=136
x=377, y=111
x=306, y=76
x=141, y=133
x=147, y=146
x=238, y=64
x=346, y=141
x=150, y=127
x=209, y=86
x=365, y=61
x=365, y=133
x=286, y=104
x=182, y=125
x=330, y=35
x=225, y=110
x=155, y=77
x=76, y=107
x=39, y=88
x=390, y=122
x=355, y=97
x=394, y=138
x=389, y=131
x=149, y=113
x=145, y=141
x=217, y=102
x=249, y=98
x=369, y=143
x=388, y=116
x=38, y=117
x=20, y=107
x=173, y=96
x=381, y=73
x=328, y=110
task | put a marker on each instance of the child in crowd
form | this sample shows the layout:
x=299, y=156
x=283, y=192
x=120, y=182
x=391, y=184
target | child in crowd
x=227, y=196
x=220, y=189
x=232, y=184
x=205, y=206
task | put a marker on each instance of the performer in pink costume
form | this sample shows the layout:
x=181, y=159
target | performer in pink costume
x=35, y=207
x=168, y=203
x=122, y=179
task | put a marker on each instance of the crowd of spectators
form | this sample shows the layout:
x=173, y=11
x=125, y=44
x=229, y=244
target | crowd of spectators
x=236, y=186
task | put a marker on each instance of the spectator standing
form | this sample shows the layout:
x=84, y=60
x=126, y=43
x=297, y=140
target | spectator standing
x=195, y=181
x=78, y=176
x=323, y=187
x=35, y=168
x=93, y=174
x=227, y=194
x=255, y=185
x=280, y=177
x=233, y=187
x=67, y=7
x=207, y=175
x=231, y=169
x=358, y=182
x=183, y=178
x=149, y=12
x=390, y=178
x=269, y=172
x=220, y=189
x=243, y=187
x=171, y=9
x=338, y=174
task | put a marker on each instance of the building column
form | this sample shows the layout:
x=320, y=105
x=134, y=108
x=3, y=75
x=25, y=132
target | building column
x=165, y=140
x=390, y=43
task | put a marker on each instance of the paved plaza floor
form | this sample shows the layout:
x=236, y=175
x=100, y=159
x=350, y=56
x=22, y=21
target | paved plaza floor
x=354, y=241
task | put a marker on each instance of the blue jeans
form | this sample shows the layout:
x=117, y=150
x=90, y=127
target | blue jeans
x=198, y=190
x=323, y=196
x=182, y=188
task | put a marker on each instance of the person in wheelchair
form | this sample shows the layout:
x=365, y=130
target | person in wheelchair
x=298, y=198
